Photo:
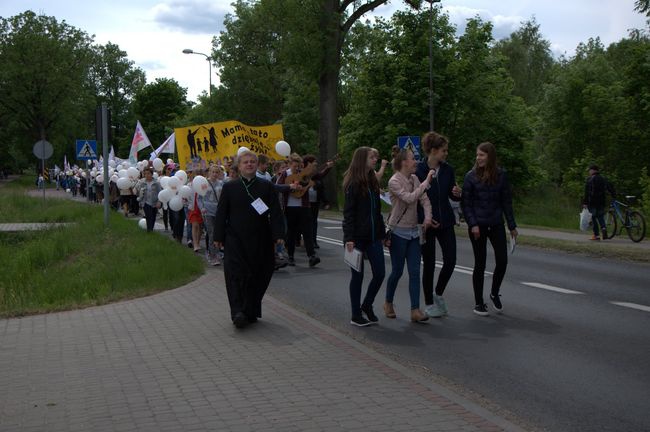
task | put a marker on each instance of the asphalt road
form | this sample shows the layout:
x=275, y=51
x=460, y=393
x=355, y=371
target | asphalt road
x=571, y=352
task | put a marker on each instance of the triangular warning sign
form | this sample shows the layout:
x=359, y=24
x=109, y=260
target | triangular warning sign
x=87, y=151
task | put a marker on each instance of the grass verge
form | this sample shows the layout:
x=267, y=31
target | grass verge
x=85, y=263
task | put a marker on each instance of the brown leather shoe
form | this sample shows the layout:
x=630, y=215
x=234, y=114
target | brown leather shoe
x=418, y=316
x=389, y=310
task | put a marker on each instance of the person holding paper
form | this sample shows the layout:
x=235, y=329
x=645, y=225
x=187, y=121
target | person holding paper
x=363, y=229
x=248, y=223
x=487, y=198
x=406, y=192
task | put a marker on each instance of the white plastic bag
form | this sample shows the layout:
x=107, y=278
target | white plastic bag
x=585, y=219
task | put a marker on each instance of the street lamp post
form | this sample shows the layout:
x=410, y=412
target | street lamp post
x=431, y=2
x=209, y=59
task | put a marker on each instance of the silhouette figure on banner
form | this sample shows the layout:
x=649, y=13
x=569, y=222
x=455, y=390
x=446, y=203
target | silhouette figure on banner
x=213, y=139
x=198, y=145
x=205, y=145
x=190, y=142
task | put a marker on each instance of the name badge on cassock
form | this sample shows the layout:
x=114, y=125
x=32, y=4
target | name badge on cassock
x=259, y=206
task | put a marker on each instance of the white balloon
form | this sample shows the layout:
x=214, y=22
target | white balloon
x=182, y=176
x=114, y=178
x=68, y=190
x=133, y=173
x=241, y=150
x=122, y=173
x=165, y=195
x=163, y=182
x=158, y=164
x=170, y=161
x=123, y=183
x=142, y=223
x=173, y=183
x=185, y=192
x=119, y=167
x=100, y=178
x=283, y=148
x=176, y=203
x=126, y=164
x=200, y=185
x=111, y=163
x=155, y=176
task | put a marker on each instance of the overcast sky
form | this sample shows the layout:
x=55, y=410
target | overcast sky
x=155, y=32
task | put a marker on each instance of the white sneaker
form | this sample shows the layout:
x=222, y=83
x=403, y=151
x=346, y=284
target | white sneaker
x=433, y=311
x=442, y=305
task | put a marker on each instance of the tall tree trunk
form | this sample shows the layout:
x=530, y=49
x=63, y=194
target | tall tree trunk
x=328, y=127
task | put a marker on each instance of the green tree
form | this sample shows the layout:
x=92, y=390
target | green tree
x=116, y=81
x=44, y=91
x=529, y=60
x=158, y=105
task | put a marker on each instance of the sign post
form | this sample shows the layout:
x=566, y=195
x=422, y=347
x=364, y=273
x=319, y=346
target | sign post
x=43, y=150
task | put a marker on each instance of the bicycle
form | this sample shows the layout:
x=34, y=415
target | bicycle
x=629, y=218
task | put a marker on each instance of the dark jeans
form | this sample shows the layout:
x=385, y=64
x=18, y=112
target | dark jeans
x=402, y=250
x=299, y=222
x=165, y=217
x=374, y=251
x=447, y=239
x=497, y=236
x=150, y=215
x=597, y=217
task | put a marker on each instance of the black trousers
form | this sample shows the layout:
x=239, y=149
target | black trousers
x=177, y=221
x=497, y=236
x=299, y=221
x=150, y=215
x=447, y=239
x=315, y=206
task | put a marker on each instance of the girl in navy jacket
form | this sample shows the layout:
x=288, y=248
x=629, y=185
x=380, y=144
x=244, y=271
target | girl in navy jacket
x=487, y=198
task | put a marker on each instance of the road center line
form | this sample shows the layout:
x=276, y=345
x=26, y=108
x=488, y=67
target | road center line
x=551, y=288
x=632, y=306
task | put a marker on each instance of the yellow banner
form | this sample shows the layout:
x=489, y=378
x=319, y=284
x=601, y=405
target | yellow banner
x=200, y=145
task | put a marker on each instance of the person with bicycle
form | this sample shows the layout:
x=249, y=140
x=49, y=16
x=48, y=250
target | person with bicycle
x=595, y=200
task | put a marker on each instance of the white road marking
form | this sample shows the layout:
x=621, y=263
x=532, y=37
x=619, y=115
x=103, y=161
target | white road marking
x=632, y=305
x=551, y=288
x=333, y=227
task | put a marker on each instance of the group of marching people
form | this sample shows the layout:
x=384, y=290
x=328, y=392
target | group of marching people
x=421, y=214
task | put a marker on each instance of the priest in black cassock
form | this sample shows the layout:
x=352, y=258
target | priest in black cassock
x=248, y=224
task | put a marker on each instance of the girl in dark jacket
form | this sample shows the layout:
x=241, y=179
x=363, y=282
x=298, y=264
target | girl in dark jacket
x=363, y=229
x=487, y=198
x=443, y=188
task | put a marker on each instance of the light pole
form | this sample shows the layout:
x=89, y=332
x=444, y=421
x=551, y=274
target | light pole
x=209, y=59
x=431, y=2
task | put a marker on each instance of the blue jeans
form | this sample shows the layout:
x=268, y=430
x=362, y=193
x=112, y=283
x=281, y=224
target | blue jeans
x=597, y=217
x=374, y=251
x=402, y=249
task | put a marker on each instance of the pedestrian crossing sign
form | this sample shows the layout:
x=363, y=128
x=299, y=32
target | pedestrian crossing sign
x=86, y=149
x=410, y=143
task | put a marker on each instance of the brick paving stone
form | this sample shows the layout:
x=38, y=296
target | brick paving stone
x=174, y=362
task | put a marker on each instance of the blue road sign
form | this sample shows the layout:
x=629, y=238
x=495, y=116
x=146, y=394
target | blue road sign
x=411, y=143
x=86, y=150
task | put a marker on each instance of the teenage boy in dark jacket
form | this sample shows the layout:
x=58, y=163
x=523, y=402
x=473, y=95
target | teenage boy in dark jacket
x=595, y=198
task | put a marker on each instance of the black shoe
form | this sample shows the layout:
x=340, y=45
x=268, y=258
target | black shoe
x=497, y=302
x=252, y=320
x=190, y=245
x=316, y=245
x=313, y=260
x=292, y=262
x=369, y=313
x=240, y=320
x=481, y=310
x=359, y=321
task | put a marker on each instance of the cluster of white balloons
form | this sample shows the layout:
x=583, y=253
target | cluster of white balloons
x=175, y=189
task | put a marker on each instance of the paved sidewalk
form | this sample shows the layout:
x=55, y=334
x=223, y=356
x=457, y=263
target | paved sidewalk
x=174, y=362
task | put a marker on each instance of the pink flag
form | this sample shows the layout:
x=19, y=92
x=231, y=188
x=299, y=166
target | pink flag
x=140, y=141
